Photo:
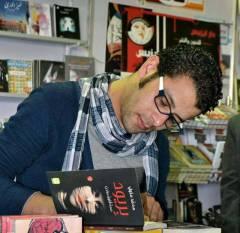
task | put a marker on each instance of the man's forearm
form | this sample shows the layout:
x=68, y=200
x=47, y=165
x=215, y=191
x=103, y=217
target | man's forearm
x=39, y=203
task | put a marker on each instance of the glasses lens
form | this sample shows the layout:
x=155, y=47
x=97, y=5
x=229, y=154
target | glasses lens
x=163, y=105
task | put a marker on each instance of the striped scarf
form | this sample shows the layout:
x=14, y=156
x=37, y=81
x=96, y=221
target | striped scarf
x=94, y=101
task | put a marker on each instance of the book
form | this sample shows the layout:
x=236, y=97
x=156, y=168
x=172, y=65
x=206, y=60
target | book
x=66, y=21
x=14, y=15
x=149, y=227
x=105, y=198
x=3, y=76
x=20, y=78
x=77, y=67
x=40, y=19
x=191, y=156
x=40, y=223
x=179, y=227
x=46, y=71
x=140, y=36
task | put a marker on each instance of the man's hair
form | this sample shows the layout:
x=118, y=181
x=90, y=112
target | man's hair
x=199, y=65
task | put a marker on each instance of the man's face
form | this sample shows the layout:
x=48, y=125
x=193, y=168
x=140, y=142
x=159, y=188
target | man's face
x=140, y=114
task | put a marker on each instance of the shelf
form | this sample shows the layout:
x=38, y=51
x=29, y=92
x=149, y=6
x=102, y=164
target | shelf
x=7, y=94
x=23, y=36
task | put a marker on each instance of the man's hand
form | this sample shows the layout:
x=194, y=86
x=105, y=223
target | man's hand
x=152, y=208
x=39, y=204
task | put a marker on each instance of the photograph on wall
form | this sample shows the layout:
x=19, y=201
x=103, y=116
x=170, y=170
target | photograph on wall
x=194, y=32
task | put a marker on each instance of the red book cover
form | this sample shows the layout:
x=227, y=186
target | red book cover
x=104, y=198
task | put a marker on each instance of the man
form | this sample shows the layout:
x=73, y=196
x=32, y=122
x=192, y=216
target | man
x=108, y=122
x=230, y=183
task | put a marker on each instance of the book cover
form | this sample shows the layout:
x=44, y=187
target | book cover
x=19, y=76
x=78, y=67
x=40, y=19
x=3, y=76
x=41, y=223
x=46, y=224
x=66, y=21
x=141, y=37
x=104, y=198
x=14, y=15
x=50, y=71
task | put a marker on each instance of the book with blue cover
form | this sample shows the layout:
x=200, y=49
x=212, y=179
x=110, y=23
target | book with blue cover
x=14, y=15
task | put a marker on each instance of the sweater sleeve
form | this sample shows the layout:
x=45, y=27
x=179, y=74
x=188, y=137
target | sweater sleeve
x=21, y=141
x=163, y=164
x=230, y=183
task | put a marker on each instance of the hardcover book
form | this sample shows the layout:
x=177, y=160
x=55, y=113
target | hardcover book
x=14, y=15
x=78, y=67
x=66, y=21
x=40, y=19
x=105, y=198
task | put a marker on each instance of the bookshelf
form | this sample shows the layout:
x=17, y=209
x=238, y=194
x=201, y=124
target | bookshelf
x=24, y=46
x=47, y=39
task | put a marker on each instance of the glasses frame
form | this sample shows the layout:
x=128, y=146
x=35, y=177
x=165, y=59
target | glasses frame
x=161, y=93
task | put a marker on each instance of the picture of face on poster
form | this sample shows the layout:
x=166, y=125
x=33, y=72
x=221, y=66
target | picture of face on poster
x=140, y=31
x=83, y=198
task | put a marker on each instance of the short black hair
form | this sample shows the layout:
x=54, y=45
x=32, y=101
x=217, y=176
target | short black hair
x=197, y=64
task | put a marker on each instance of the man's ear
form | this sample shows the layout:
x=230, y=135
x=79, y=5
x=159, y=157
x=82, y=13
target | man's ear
x=149, y=66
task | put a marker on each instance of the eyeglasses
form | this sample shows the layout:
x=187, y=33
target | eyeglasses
x=173, y=122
